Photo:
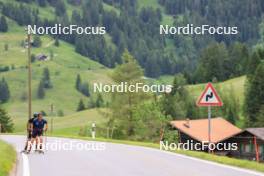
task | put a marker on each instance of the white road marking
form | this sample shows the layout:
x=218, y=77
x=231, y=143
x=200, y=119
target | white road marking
x=210, y=162
x=26, y=171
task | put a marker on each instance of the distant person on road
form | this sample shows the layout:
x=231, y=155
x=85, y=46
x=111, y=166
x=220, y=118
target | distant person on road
x=38, y=126
x=29, y=131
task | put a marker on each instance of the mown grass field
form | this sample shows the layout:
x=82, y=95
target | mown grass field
x=7, y=158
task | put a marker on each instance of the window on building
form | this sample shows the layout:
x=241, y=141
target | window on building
x=261, y=149
x=247, y=148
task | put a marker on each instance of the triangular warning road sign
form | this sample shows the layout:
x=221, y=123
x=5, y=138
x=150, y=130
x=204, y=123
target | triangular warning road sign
x=209, y=97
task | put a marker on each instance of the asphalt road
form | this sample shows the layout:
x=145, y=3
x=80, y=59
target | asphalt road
x=107, y=159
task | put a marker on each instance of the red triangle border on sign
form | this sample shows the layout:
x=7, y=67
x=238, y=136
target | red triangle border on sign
x=209, y=85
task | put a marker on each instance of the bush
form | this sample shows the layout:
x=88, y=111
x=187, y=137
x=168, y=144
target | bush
x=36, y=42
x=33, y=58
x=60, y=113
x=83, y=131
x=4, y=68
x=43, y=113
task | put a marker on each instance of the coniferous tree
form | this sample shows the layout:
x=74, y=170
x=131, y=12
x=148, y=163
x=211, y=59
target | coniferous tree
x=253, y=64
x=46, y=78
x=91, y=103
x=3, y=24
x=122, y=104
x=231, y=116
x=231, y=107
x=260, y=117
x=4, y=91
x=175, y=103
x=36, y=41
x=6, y=47
x=214, y=63
x=41, y=90
x=57, y=43
x=81, y=106
x=42, y=3
x=85, y=89
x=99, y=101
x=254, y=96
x=5, y=122
x=238, y=54
x=60, y=8
x=78, y=82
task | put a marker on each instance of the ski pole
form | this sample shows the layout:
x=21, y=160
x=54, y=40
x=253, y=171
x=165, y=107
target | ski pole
x=45, y=141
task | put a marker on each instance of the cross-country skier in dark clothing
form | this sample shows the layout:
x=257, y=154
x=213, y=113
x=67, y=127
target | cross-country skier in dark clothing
x=29, y=131
x=37, y=127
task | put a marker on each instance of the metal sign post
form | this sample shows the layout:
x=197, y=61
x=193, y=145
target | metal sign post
x=209, y=98
x=209, y=126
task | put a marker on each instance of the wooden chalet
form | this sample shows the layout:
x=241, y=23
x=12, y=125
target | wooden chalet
x=250, y=142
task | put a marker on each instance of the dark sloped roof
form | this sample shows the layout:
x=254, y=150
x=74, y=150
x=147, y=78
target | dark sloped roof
x=259, y=132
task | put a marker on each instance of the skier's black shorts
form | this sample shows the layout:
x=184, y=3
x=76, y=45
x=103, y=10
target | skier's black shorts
x=37, y=133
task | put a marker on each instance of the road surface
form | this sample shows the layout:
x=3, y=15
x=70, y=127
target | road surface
x=107, y=159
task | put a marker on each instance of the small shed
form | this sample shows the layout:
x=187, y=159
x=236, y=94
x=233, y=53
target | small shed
x=251, y=144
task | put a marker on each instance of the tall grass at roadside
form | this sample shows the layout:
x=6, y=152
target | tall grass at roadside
x=7, y=158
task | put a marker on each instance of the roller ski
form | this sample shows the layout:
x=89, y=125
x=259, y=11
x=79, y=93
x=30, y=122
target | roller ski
x=39, y=151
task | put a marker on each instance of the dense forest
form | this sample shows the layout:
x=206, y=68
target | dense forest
x=137, y=29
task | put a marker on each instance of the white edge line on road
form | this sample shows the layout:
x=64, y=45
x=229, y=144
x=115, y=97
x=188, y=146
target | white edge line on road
x=210, y=162
x=26, y=171
x=256, y=173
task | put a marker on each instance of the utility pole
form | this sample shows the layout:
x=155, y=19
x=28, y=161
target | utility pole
x=29, y=76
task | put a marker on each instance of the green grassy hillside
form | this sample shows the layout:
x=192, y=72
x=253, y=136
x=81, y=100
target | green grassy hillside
x=237, y=84
x=64, y=67
x=71, y=124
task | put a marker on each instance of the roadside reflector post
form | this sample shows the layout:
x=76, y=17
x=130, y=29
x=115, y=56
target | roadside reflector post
x=209, y=98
